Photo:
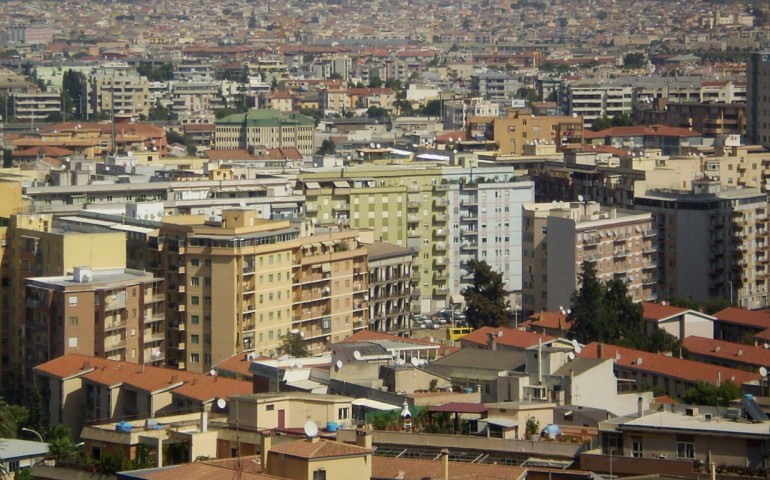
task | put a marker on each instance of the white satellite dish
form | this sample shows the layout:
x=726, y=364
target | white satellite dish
x=249, y=357
x=580, y=198
x=339, y=364
x=221, y=403
x=415, y=361
x=357, y=355
x=379, y=145
x=763, y=371
x=578, y=349
x=213, y=372
x=450, y=139
x=575, y=344
x=571, y=356
x=371, y=145
x=311, y=429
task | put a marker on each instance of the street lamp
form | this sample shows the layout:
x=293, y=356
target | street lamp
x=29, y=430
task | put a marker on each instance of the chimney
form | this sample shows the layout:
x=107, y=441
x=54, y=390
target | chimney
x=599, y=350
x=267, y=443
x=364, y=438
x=640, y=406
x=445, y=461
x=205, y=419
x=492, y=341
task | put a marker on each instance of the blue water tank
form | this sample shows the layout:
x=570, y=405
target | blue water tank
x=331, y=427
x=123, y=427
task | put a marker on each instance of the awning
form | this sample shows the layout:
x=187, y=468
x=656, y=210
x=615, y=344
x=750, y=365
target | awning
x=501, y=422
x=456, y=298
x=328, y=243
x=342, y=184
x=374, y=404
x=396, y=151
x=432, y=156
x=312, y=185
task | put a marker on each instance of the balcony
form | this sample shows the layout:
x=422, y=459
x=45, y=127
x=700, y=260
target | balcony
x=440, y=202
x=467, y=232
x=413, y=233
x=181, y=270
x=153, y=298
x=111, y=326
x=469, y=246
x=150, y=337
x=441, y=275
x=439, y=261
x=440, y=291
x=112, y=345
x=440, y=246
x=412, y=204
x=441, y=232
x=440, y=218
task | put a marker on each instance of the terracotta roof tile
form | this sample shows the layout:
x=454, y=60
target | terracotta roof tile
x=371, y=335
x=319, y=449
x=759, y=319
x=728, y=351
x=549, y=320
x=510, y=337
x=658, y=311
x=687, y=370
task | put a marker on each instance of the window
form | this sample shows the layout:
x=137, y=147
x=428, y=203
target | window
x=194, y=262
x=685, y=450
x=195, y=281
x=194, y=357
x=207, y=281
x=636, y=447
x=342, y=413
x=319, y=475
x=74, y=321
x=270, y=407
x=207, y=262
x=195, y=339
x=195, y=300
x=195, y=319
x=73, y=301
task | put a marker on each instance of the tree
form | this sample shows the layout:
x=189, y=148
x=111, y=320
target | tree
x=621, y=120
x=634, y=60
x=375, y=82
x=708, y=394
x=12, y=418
x=601, y=123
x=73, y=85
x=432, y=108
x=588, y=320
x=377, y=112
x=487, y=298
x=529, y=94
x=159, y=112
x=292, y=345
x=327, y=147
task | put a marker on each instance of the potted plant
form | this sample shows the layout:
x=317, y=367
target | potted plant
x=533, y=428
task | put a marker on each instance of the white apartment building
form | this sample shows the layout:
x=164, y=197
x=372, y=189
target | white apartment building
x=456, y=112
x=485, y=223
x=593, y=100
x=36, y=105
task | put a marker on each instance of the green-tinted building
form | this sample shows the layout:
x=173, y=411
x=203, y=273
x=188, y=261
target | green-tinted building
x=265, y=128
x=406, y=206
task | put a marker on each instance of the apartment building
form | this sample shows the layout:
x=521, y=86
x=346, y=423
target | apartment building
x=496, y=86
x=729, y=256
x=265, y=128
x=457, y=112
x=35, y=248
x=592, y=100
x=333, y=100
x=240, y=284
x=390, y=286
x=559, y=237
x=485, y=223
x=740, y=165
x=710, y=119
x=520, y=128
x=112, y=91
x=116, y=314
x=194, y=96
x=757, y=86
x=35, y=105
x=447, y=215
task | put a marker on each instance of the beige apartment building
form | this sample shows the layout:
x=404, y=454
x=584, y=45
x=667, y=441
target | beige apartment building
x=116, y=314
x=520, y=128
x=239, y=285
x=559, y=237
x=727, y=258
x=740, y=165
x=118, y=92
x=34, y=248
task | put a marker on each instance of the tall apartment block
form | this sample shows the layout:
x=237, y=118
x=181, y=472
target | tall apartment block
x=390, y=286
x=265, y=128
x=118, y=91
x=757, y=103
x=35, y=248
x=240, y=284
x=559, y=237
x=728, y=257
x=434, y=211
x=109, y=313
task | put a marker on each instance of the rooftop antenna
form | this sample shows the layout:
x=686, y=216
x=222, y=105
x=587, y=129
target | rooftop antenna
x=311, y=429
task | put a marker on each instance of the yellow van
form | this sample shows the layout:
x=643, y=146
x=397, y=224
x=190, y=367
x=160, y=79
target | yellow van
x=454, y=333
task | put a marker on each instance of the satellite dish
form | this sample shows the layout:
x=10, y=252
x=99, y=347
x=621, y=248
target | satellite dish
x=311, y=429
x=371, y=145
x=450, y=139
x=221, y=403
x=250, y=357
x=379, y=145
x=357, y=355
x=415, y=361
x=580, y=198
x=571, y=356
x=213, y=372
x=575, y=344
x=578, y=349
x=763, y=371
x=339, y=364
